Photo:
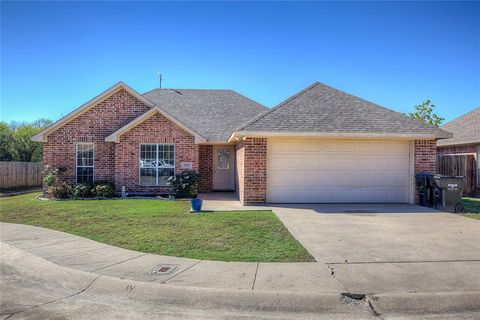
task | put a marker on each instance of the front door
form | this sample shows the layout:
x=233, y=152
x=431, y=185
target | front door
x=223, y=163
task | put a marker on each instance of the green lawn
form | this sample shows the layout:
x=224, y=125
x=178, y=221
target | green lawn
x=472, y=206
x=162, y=227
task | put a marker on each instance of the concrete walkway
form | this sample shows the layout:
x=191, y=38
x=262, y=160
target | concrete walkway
x=225, y=201
x=87, y=255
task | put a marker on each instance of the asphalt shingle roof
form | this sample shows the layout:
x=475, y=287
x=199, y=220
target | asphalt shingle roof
x=320, y=108
x=465, y=129
x=212, y=113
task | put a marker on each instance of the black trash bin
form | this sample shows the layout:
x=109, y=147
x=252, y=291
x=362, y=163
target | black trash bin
x=448, y=193
x=425, y=188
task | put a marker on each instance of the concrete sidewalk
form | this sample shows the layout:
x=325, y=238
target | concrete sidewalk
x=34, y=288
x=87, y=255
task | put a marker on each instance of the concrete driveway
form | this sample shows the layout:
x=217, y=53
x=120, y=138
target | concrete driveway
x=389, y=248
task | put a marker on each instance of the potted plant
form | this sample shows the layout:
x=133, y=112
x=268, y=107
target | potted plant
x=196, y=203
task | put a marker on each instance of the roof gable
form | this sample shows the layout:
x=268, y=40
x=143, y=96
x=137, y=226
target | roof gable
x=322, y=110
x=115, y=137
x=42, y=135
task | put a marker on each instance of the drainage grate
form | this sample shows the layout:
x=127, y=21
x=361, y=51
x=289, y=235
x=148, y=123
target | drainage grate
x=164, y=269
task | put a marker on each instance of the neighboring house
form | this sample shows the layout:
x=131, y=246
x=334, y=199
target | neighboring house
x=320, y=145
x=465, y=141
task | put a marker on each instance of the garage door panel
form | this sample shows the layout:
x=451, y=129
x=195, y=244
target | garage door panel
x=338, y=195
x=332, y=171
x=332, y=179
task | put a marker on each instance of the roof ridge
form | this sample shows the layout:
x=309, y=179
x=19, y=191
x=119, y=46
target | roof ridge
x=186, y=89
x=313, y=85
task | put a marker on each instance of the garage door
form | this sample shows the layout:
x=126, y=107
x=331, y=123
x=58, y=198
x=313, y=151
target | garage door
x=338, y=171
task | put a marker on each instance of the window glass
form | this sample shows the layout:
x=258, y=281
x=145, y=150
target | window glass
x=223, y=159
x=84, y=162
x=157, y=164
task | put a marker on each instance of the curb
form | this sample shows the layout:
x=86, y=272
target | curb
x=50, y=275
x=424, y=303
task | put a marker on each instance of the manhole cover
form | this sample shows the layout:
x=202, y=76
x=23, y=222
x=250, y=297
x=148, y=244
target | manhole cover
x=164, y=269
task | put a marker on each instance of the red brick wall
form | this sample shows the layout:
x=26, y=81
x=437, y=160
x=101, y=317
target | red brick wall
x=94, y=126
x=425, y=159
x=205, y=167
x=156, y=129
x=252, y=170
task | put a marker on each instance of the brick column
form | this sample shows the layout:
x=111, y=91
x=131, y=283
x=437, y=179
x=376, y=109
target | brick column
x=425, y=160
x=205, y=167
x=252, y=171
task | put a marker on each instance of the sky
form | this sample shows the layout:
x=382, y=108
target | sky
x=55, y=56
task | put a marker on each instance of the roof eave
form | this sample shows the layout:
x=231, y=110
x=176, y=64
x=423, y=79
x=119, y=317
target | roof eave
x=237, y=135
x=444, y=143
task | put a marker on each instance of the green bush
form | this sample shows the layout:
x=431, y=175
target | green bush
x=185, y=183
x=104, y=190
x=82, y=190
x=61, y=190
x=50, y=176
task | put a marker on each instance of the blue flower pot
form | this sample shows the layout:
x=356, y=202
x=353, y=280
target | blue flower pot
x=197, y=204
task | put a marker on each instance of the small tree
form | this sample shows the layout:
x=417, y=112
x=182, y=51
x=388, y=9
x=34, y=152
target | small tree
x=424, y=112
x=23, y=148
x=6, y=142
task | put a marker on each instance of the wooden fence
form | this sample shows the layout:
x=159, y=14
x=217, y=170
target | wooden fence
x=20, y=174
x=458, y=165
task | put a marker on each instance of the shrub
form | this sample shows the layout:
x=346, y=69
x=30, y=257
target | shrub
x=61, y=190
x=82, y=190
x=104, y=190
x=50, y=176
x=184, y=183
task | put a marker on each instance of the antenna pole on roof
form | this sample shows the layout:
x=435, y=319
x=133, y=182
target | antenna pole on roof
x=159, y=76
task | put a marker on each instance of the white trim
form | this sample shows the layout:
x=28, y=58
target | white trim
x=217, y=142
x=237, y=135
x=412, y=173
x=76, y=160
x=115, y=137
x=156, y=156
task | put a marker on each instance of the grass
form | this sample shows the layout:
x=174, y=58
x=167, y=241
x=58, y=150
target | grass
x=472, y=206
x=6, y=191
x=163, y=227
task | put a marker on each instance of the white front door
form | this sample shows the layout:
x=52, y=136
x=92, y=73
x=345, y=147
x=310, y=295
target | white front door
x=223, y=163
x=335, y=171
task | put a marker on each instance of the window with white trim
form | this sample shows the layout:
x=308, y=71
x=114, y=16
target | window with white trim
x=157, y=164
x=85, y=155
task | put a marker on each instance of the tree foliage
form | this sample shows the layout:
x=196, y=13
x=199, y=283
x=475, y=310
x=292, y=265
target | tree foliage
x=16, y=143
x=424, y=112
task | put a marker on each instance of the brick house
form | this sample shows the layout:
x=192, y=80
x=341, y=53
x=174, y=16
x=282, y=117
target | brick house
x=465, y=142
x=320, y=145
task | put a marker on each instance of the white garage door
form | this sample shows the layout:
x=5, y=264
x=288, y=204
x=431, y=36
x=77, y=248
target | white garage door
x=338, y=171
